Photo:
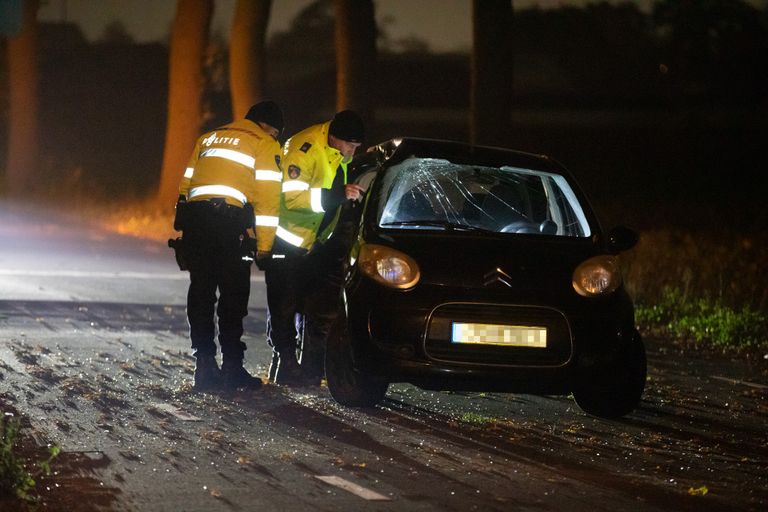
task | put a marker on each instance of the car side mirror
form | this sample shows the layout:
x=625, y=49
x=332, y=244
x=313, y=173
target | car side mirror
x=621, y=238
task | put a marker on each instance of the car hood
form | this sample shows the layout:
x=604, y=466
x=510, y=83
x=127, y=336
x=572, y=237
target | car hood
x=530, y=265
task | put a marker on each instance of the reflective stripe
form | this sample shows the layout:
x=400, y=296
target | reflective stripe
x=189, y=172
x=289, y=237
x=266, y=220
x=294, y=185
x=218, y=190
x=265, y=175
x=230, y=154
x=316, y=200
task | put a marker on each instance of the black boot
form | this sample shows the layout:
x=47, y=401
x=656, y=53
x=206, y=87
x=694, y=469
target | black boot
x=312, y=368
x=289, y=372
x=235, y=376
x=207, y=373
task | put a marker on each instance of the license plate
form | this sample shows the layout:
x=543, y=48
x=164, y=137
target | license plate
x=495, y=334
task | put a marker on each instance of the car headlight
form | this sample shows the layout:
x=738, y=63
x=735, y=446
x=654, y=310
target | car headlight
x=597, y=276
x=387, y=266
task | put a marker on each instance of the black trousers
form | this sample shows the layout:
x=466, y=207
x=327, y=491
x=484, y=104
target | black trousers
x=321, y=305
x=302, y=294
x=214, y=241
x=285, y=280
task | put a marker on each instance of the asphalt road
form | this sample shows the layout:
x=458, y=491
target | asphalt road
x=93, y=351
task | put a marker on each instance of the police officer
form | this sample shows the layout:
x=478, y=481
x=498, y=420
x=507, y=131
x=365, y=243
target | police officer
x=314, y=186
x=231, y=190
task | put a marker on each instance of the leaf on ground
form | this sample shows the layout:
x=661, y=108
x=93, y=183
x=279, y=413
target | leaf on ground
x=700, y=491
x=214, y=436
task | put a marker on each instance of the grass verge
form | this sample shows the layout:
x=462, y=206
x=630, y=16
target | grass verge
x=704, y=322
x=705, y=289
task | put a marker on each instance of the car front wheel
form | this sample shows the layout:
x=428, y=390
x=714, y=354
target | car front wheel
x=614, y=391
x=349, y=386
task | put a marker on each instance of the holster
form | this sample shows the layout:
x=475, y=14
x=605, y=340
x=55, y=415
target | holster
x=181, y=215
x=180, y=252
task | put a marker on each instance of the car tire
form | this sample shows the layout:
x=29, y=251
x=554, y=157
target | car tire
x=349, y=386
x=614, y=391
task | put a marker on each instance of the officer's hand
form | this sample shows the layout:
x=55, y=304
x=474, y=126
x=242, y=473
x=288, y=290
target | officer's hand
x=353, y=191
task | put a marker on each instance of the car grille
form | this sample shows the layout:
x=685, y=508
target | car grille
x=438, y=344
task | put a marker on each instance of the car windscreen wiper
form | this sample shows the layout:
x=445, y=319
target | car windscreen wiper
x=447, y=225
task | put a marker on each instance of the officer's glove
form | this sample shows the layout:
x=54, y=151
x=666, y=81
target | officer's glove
x=263, y=258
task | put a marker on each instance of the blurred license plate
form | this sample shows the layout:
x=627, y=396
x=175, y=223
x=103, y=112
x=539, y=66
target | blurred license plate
x=494, y=334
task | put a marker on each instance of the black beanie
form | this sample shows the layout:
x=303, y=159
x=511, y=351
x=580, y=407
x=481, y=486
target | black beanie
x=347, y=125
x=266, y=112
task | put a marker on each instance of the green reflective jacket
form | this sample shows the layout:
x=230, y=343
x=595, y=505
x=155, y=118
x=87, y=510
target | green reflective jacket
x=309, y=165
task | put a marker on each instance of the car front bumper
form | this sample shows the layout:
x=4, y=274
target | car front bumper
x=406, y=337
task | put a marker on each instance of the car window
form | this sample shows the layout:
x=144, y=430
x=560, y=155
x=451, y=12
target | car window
x=428, y=193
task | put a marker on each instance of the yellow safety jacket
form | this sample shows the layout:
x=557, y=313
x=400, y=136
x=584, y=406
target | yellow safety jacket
x=309, y=165
x=239, y=162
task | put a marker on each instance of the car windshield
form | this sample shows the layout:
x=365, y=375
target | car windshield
x=429, y=194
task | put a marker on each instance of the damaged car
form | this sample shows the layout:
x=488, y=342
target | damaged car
x=482, y=269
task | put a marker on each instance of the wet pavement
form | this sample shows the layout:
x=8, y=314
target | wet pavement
x=110, y=383
x=94, y=357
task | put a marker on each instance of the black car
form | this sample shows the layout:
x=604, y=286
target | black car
x=482, y=269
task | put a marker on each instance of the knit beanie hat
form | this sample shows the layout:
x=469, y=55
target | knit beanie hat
x=266, y=112
x=347, y=125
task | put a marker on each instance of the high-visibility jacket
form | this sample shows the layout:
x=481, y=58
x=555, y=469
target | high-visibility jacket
x=239, y=162
x=309, y=165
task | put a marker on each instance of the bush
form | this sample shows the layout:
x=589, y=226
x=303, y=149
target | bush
x=706, y=287
x=15, y=479
x=722, y=268
x=704, y=321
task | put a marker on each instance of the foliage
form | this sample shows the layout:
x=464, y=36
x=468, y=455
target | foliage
x=708, y=288
x=720, y=267
x=15, y=478
x=705, y=321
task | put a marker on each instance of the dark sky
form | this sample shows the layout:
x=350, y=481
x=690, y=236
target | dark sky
x=444, y=24
x=150, y=20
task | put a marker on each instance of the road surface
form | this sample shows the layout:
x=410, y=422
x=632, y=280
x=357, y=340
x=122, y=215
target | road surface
x=93, y=353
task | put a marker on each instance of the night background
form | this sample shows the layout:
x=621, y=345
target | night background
x=659, y=109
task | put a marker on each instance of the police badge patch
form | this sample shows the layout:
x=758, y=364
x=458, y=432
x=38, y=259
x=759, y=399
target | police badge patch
x=305, y=147
x=294, y=172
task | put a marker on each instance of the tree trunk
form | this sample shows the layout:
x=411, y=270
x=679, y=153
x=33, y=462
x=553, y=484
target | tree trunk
x=22, y=158
x=189, y=40
x=247, y=60
x=491, y=72
x=355, y=39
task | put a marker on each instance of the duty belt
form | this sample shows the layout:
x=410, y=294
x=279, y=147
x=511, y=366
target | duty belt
x=218, y=206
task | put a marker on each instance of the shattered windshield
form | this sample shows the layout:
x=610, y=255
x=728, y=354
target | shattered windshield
x=427, y=193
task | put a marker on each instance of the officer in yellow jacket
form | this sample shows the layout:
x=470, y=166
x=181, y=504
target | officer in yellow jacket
x=314, y=185
x=230, y=192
